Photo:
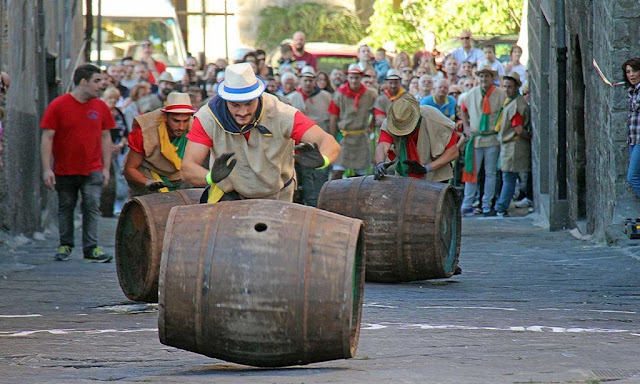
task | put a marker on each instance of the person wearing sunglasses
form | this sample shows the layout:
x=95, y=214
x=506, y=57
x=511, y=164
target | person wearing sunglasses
x=155, y=67
x=466, y=52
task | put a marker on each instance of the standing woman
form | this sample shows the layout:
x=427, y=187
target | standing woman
x=322, y=81
x=631, y=70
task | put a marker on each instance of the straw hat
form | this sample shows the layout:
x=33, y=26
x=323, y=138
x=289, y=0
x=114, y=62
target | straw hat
x=178, y=102
x=487, y=68
x=403, y=115
x=165, y=76
x=515, y=77
x=355, y=68
x=240, y=83
x=307, y=71
x=392, y=74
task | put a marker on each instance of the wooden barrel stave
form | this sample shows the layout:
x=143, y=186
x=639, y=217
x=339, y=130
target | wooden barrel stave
x=270, y=298
x=139, y=237
x=412, y=227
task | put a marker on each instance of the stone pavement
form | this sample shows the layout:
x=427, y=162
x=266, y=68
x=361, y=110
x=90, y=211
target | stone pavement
x=531, y=306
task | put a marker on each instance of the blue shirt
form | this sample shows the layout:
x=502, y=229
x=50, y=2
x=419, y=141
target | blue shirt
x=448, y=108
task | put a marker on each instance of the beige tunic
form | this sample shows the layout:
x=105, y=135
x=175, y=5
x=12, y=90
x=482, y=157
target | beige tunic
x=153, y=159
x=383, y=103
x=264, y=163
x=473, y=101
x=435, y=133
x=295, y=100
x=316, y=109
x=515, y=151
x=355, y=145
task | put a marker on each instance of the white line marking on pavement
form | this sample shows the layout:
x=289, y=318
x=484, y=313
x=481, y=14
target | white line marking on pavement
x=530, y=328
x=376, y=305
x=69, y=331
x=486, y=308
x=587, y=310
x=19, y=316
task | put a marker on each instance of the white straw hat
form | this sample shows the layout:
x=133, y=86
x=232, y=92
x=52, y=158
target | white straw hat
x=240, y=83
x=178, y=102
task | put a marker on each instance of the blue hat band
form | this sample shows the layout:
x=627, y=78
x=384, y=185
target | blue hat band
x=242, y=90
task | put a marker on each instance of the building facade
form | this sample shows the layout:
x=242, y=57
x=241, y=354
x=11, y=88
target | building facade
x=580, y=155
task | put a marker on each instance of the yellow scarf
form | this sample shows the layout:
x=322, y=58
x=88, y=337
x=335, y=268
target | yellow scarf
x=401, y=91
x=167, y=149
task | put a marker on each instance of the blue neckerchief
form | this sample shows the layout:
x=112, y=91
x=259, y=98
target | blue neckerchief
x=218, y=107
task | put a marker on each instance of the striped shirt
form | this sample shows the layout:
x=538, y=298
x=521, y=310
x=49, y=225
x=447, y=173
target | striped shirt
x=633, y=124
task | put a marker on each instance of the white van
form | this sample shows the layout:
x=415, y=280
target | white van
x=125, y=23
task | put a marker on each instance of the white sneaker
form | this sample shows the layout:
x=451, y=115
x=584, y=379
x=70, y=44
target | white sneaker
x=524, y=203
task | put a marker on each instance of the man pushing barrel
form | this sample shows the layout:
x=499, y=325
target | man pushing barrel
x=251, y=136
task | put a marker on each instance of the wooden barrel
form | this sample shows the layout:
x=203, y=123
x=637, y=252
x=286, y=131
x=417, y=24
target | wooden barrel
x=411, y=226
x=261, y=282
x=139, y=237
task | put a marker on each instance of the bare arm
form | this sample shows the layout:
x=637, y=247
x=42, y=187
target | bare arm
x=131, y=165
x=107, y=148
x=381, y=152
x=192, y=170
x=464, y=115
x=449, y=155
x=520, y=131
x=46, y=145
x=327, y=145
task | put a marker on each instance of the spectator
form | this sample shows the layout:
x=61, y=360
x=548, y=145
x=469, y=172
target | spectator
x=195, y=95
x=386, y=98
x=272, y=85
x=337, y=78
x=370, y=79
x=364, y=57
x=490, y=60
x=466, y=52
x=381, y=64
x=116, y=72
x=466, y=69
x=451, y=69
x=406, y=74
x=301, y=56
x=350, y=108
x=114, y=196
x=190, y=78
x=156, y=68
x=263, y=69
x=479, y=111
x=455, y=91
x=423, y=140
x=425, y=86
x=631, y=71
x=151, y=102
x=402, y=60
x=130, y=104
x=286, y=61
x=514, y=64
x=413, y=86
x=441, y=100
x=75, y=132
x=128, y=66
x=322, y=81
x=5, y=82
x=289, y=86
x=515, y=140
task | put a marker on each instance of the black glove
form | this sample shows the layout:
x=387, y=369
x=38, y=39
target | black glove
x=308, y=155
x=153, y=185
x=220, y=168
x=415, y=167
x=381, y=169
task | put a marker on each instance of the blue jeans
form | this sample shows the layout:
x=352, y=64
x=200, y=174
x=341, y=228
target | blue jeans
x=488, y=158
x=633, y=174
x=508, y=187
x=90, y=188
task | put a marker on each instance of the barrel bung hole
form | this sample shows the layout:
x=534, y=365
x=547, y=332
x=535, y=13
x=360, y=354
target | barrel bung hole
x=260, y=227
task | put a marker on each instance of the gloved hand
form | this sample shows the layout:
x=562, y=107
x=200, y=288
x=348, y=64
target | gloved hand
x=221, y=168
x=308, y=155
x=415, y=167
x=381, y=169
x=153, y=185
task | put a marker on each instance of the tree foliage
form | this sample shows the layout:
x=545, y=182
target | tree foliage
x=320, y=22
x=446, y=18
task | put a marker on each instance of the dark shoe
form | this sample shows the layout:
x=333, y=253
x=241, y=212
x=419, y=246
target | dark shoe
x=96, y=255
x=63, y=254
x=457, y=271
x=502, y=213
x=489, y=213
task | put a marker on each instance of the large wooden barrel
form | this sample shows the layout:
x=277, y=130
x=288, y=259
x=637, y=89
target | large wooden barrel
x=411, y=226
x=139, y=237
x=261, y=282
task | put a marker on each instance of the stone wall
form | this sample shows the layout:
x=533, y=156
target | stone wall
x=598, y=197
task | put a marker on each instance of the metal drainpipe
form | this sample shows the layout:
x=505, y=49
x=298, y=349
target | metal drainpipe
x=561, y=57
x=99, y=31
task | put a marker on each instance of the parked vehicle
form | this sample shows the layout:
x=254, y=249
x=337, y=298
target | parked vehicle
x=126, y=23
x=329, y=55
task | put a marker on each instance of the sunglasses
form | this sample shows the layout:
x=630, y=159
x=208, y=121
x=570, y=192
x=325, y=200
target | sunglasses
x=454, y=93
x=465, y=38
x=406, y=71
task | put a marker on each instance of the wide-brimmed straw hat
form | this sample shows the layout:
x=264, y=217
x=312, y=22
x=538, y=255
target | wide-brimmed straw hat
x=392, y=74
x=403, y=115
x=178, y=102
x=240, y=83
x=355, y=68
x=515, y=77
x=487, y=68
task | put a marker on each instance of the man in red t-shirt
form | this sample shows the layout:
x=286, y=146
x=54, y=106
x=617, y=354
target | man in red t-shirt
x=76, y=133
x=260, y=132
x=302, y=57
x=424, y=141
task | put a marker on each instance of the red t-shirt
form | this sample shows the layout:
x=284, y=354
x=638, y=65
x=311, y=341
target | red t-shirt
x=136, y=142
x=77, y=143
x=305, y=59
x=412, y=153
x=160, y=67
x=301, y=124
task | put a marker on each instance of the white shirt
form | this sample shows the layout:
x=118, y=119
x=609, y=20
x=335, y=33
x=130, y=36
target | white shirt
x=473, y=56
x=496, y=66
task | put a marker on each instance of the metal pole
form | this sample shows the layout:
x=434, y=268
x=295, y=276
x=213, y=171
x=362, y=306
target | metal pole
x=226, y=31
x=99, y=31
x=204, y=31
x=88, y=31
